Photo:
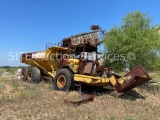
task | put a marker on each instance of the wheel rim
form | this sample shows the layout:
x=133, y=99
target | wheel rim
x=29, y=76
x=61, y=81
x=22, y=75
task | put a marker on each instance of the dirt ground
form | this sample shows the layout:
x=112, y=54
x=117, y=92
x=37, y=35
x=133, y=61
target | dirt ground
x=27, y=101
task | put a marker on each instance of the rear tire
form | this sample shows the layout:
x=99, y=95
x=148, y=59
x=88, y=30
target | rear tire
x=64, y=80
x=24, y=73
x=34, y=75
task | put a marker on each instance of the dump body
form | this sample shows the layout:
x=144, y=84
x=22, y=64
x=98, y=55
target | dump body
x=47, y=61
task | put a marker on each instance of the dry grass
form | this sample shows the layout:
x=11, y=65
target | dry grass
x=22, y=100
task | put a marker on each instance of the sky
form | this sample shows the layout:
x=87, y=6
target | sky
x=27, y=25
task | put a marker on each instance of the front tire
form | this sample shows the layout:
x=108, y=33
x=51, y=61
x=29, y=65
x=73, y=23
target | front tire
x=64, y=80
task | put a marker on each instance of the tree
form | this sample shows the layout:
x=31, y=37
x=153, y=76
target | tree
x=134, y=42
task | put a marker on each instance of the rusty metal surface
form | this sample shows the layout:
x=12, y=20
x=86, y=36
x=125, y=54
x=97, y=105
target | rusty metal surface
x=95, y=27
x=88, y=68
x=66, y=42
x=85, y=98
x=134, y=78
x=87, y=37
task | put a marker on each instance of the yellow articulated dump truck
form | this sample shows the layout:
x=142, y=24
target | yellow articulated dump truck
x=75, y=61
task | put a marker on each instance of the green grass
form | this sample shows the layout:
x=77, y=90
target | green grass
x=155, y=76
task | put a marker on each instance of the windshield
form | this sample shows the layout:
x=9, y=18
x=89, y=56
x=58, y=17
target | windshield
x=88, y=55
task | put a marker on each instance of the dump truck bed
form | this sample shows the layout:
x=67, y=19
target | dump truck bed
x=46, y=61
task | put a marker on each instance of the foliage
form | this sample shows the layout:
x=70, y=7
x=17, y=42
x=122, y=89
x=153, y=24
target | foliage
x=135, y=41
x=11, y=70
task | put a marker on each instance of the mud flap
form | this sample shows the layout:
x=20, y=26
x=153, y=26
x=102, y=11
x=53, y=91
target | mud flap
x=132, y=79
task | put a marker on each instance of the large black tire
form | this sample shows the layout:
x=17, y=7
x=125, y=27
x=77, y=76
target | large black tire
x=64, y=80
x=34, y=75
x=24, y=73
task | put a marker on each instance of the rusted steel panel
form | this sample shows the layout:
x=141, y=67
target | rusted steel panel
x=88, y=37
x=85, y=98
x=88, y=68
x=134, y=78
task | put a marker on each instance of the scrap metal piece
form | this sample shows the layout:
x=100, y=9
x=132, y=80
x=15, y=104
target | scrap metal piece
x=132, y=79
x=95, y=27
x=85, y=98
